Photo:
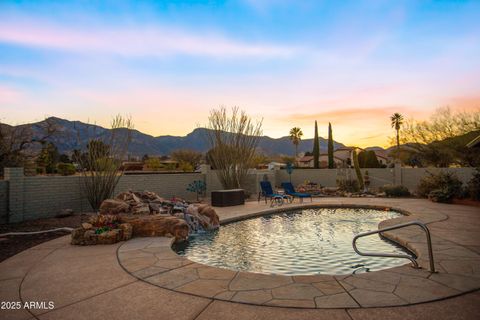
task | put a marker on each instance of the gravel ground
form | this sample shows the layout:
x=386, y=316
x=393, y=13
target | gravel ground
x=11, y=245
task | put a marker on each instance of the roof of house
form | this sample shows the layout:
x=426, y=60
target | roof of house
x=168, y=161
x=273, y=163
x=334, y=156
x=381, y=154
x=347, y=148
x=474, y=142
x=305, y=159
x=342, y=156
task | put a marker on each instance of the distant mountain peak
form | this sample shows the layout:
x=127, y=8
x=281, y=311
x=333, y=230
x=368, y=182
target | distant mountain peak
x=74, y=134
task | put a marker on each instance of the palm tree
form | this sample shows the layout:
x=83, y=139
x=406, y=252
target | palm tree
x=397, y=121
x=296, y=136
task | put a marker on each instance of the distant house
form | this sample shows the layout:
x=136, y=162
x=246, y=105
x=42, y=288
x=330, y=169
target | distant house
x=305, y=162
x=341, y=156
x=169, y=162
x=323, y=160
x=132, y=166
x=346, y=154
x=382, y=156
x=276, y=165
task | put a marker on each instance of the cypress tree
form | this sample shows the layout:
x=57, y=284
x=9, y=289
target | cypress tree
x=362, y=159
x=316, y=148
x=371, y=160
x=331, y=164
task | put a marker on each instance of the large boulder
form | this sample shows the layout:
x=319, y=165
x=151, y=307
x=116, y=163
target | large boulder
x=128, y=197
x=148, y=196
x=86, y=235
x=150, y=215
x=114, y=206
x=207, y=211
x=141, y=208
x=157, y=226
x=144, y=202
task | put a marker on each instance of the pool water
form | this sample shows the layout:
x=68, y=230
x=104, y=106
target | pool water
x=300, y=242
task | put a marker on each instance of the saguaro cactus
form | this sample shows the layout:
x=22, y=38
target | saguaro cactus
x=357, y=170
x=316, y=148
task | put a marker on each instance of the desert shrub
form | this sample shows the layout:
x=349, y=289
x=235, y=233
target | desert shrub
x=474, y=186
x=440, y=195
x=185, y=166
x=440, y=187
x=395, y=191
x=153, y=164
x=348, y=185
x=66, y=169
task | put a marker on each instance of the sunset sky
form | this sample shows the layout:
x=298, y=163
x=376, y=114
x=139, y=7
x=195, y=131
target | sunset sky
x=167, y=63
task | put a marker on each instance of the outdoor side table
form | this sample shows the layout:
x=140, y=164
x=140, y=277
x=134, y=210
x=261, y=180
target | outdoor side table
x=227, y=198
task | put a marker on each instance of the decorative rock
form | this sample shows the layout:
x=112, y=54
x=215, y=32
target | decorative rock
x=179, y=215
x=330, y=190
x=155, y=207
x=114, y=206
x=141, y=208
x=200, y=217
x=77, y=235
x=157, y=225
x=80, y=236
x=89, y=234
x=127, y=231
x=109, y=237
x=208, y=211
x=145, y=214
x=87, y=226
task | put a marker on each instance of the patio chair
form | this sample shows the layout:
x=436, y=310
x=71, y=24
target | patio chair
x=290, y=190
x=267, y=193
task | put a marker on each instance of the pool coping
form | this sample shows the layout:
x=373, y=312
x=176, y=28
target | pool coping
x=153, y=261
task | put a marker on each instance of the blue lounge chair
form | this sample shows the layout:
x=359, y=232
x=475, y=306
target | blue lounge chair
x=267, y=193
x=290, y=190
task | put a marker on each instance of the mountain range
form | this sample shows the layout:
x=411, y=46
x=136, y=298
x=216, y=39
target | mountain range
x=72, y=135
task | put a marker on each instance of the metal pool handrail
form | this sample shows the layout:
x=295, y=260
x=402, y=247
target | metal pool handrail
x=392, y=255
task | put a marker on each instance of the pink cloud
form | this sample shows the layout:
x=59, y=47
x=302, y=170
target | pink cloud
x=135, y=41
x=467, y=103
x=8, y=95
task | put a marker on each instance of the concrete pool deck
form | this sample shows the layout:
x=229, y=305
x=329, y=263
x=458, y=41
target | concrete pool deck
x=144, y=279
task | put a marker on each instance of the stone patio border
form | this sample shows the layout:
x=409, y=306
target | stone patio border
x=153, y=261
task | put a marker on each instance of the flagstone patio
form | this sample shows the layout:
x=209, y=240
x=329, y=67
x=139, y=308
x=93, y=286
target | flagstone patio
x=144, y=279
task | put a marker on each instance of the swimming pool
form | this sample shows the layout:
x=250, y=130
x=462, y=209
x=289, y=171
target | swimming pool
x=299, y=242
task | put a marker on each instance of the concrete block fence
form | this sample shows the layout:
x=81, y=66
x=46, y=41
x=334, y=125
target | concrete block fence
x=26, y=198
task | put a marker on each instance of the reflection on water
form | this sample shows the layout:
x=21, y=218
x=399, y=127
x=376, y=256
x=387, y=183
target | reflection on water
x=311, y=241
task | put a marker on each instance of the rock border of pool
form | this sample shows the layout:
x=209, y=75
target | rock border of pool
x=152, y=260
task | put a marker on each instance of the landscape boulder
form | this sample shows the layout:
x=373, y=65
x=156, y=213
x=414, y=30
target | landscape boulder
x=157, y=226
x=114, y=206
x=207, y=216
x=145, y=214
x=86, y=235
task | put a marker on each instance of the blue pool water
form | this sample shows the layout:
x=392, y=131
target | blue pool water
x=301, y=242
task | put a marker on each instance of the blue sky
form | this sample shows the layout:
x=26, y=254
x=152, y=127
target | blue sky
x=167, y=63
